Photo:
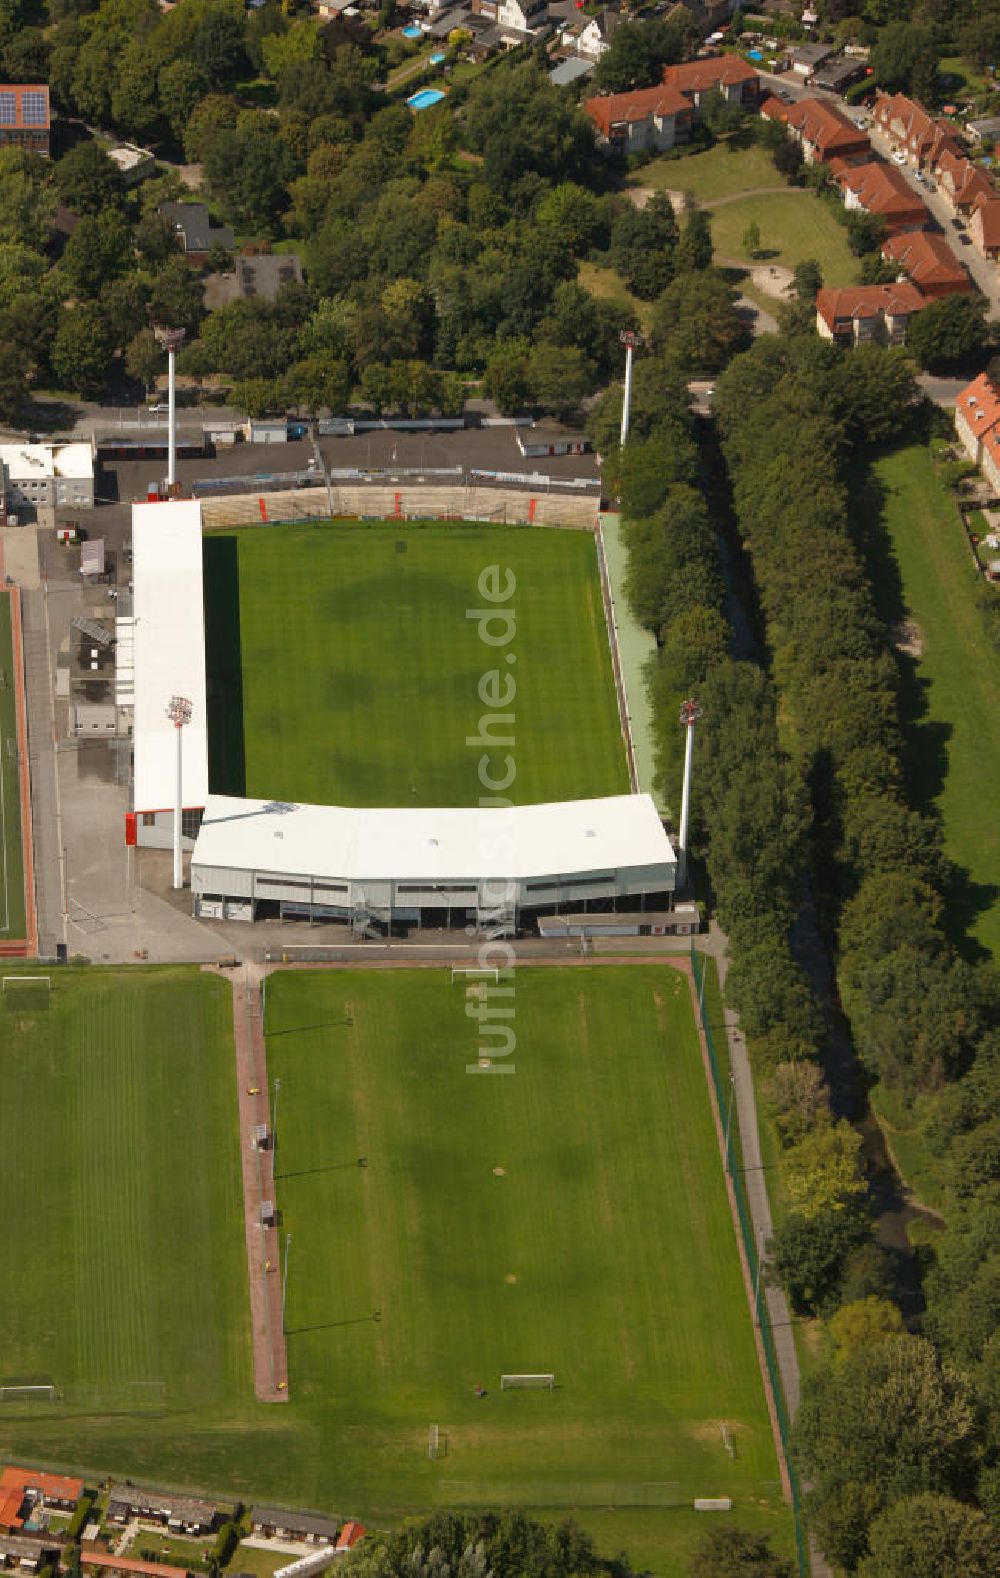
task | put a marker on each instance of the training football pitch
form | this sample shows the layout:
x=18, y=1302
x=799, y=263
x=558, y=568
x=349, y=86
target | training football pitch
x=343, y=667
x=603, y=1250
x=12, y=918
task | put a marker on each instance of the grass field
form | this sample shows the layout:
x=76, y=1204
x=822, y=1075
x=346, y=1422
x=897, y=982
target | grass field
x=122, y=1201
x=952, y=691
x=12, y=916
x=720, y=171
x=606, y=285
x=343, y=667
x=794, y=225
x=121, y=1193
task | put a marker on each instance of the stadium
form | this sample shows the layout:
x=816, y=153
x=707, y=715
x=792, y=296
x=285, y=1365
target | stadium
x=351, y=749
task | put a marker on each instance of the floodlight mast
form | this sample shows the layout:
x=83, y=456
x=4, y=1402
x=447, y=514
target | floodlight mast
x=630, y=339
x=172, y=340
x=690, y=713
x=179, y=711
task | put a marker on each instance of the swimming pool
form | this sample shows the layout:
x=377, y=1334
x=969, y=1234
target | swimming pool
x=437, y=57
x=425, y=98
x=755, y=54
x=412, y=32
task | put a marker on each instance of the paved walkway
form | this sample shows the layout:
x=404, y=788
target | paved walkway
x=635, y=647
x=270, y=1360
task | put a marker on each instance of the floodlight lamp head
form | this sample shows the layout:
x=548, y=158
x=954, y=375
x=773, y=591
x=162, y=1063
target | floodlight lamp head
x=690, y=712
x=630, y=337
x=170, y=339
x=179, y=711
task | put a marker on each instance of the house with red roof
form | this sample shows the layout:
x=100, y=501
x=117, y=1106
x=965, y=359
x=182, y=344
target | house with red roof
x=883, y=190
x=22, y=1489
x=961, y=184
x=350, y=1534
x=977, y=413
x=823, y=132
x=911, y=130
x=663, y=116
x=927, y=261
x=984, y=228
x=863, y=314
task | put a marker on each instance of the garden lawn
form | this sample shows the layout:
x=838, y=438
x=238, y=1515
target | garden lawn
x=954, y=754
x=794, y=225
x=12, y=916
x=344, y=668
x=606, y=285
x=720, y=171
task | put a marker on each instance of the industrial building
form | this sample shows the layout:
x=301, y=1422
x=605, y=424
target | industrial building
x=59, y=476
x=256, y=859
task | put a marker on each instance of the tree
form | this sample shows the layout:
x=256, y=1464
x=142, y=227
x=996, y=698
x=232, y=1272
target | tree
x=893, y=1418
x=862, y=1324
x=736, y=1553
x=694, y=248
x=808, y=1255
x=751, y=239
x=13, y=379
x=476, y=1544
x=27, y=203
x=100, y=249
x=258, y=396
x=180, y=85
x=822, y=1170
x=930, y=1536
x=81, y=351
x=637, y=54
x=316, y=382
x=505, y=380
x=176, y=296
x=808, y=278
x=948, y=333
x=642, y=246
x=696, y=322
x=86, y=180
x=559, y=377
x=144, y=358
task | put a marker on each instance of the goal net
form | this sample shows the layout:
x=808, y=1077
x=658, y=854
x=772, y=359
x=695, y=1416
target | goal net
x=510, y=1383
x=27, y=1394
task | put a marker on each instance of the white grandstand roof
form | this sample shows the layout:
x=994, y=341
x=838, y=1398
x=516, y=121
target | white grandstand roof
x=34, y=462
x=452, y=844
x=169, y=652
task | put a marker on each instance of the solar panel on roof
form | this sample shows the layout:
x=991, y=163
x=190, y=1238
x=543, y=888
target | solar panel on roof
x=8, y=109
x=34, y=109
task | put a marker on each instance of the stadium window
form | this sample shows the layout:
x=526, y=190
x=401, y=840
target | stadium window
x=149, y=818
x=8, y=109
x=191, y=823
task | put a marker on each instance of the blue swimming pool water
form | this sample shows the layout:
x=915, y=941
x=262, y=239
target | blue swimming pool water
x=425, y=98
x=755, y=54
x=411, y=31
x=437, y=57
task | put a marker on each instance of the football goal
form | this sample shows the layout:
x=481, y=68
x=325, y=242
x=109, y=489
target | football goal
x=27, y=1394
x=461, y=972
x=509, y=1383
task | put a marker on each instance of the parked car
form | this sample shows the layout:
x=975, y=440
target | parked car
x=966, y=241
x=784, y=94
x=899, y=156
x=158, y=410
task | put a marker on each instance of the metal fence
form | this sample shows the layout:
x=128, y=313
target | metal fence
x=754, y=1261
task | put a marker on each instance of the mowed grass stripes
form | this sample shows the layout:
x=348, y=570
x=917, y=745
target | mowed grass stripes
x=12, y=917
x=360, y=668
x=603, y=1250
x=121, y=1192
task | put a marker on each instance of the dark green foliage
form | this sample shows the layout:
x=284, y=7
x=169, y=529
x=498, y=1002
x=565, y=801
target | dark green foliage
x=929, y=1536
x=642, y=246
x=86, y=180
x=809, y=1255
x=638, y=53
x=735, y=1553
x=949, y=334
x=479, y=1543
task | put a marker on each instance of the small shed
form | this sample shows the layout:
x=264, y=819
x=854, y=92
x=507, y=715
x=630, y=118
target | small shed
x=268, y=1215
x=92, y=556
x=267, y=430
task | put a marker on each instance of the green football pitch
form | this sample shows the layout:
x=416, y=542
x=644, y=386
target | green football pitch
x=343, y=667
x=12, y=918
x=603, y=1251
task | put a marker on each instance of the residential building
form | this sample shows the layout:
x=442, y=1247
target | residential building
x=25, y=1554
x=193, y=225
x=23, y=1490
x=884, y=191
x=25, y=117
x=927, y=261
x=570, y=70
x=823, y=132
x=662, y=117
x=860, y=314
x=838, y=74
x=805, y=59
x=990, y=464
x=53, y=476
x=961, y=184
x=984, y=228
x=176, y=1512
x=595, y=38
x=522, y=19
x=350, y=1534
x=655, y=118
x=977, y=413
x=912, y=131
x=986, y=128
x=275, y=1523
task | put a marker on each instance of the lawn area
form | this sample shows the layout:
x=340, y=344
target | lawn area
x=12, y=916
x=604, y=1251
x=344, y=668
x=121, y=1197
x=953, y=688
x=720, y=171
x=606, y=285
x=794, y=225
